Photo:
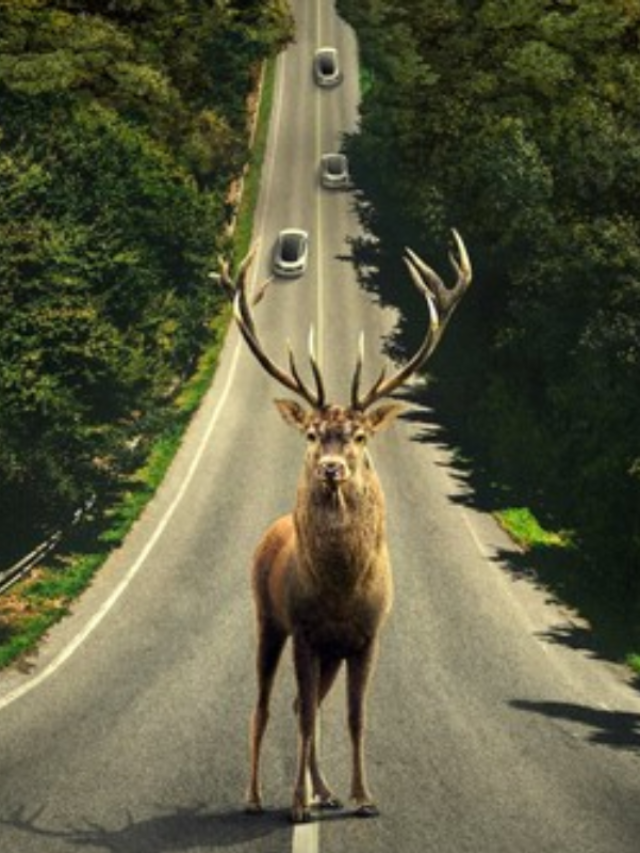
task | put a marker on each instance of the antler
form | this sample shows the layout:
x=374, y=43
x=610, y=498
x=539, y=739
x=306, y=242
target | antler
x=237, y=292
x=442, y=302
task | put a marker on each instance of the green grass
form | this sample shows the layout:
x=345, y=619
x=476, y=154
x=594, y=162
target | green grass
x=633, y=661
x=253, y=177
x=521, y=524
x=36, y=604
x=367, y=80
x=558, y=562
x=30, y=608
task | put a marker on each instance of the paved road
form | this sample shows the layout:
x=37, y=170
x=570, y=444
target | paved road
x=489, y=733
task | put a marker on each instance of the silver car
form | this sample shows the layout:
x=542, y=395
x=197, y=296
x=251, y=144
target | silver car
x=291, y=253
x=334, y=171
x=326, y=67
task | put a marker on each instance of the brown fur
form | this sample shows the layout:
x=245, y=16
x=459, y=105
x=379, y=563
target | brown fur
x=322, y=577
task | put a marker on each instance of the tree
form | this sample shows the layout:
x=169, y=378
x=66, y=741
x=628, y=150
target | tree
x=117, y=146
x=524, y=134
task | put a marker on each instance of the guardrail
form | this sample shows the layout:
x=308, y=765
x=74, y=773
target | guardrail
x=19, y=570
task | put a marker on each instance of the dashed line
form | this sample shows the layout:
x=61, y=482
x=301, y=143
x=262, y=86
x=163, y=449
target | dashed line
x=306, y=836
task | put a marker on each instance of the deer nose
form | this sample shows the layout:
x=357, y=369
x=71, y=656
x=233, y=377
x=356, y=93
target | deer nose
x=332, y=470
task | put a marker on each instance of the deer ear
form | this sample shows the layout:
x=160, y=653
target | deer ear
x=384, y=416
x=293, y=413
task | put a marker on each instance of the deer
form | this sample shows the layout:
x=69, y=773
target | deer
x=321, y=575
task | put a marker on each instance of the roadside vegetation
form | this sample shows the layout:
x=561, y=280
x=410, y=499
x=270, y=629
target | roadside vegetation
x=517, y=123
x=123, y=127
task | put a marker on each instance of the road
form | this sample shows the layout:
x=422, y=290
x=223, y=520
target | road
x=488, y=732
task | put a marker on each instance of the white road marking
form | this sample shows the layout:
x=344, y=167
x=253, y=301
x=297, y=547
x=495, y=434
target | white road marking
x=109, y=603
x=474, y=536
x=306, y=836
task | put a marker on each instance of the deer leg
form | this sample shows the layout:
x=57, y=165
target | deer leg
x=329, y=669
x=307, y=668
x=270, y=644
x=359, y=670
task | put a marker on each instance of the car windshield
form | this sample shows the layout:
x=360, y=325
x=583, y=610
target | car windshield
x=335, y=164
x=291, y=247
x=327, y=63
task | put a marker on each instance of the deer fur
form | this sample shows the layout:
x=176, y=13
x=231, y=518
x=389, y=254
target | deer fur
x=321, y=576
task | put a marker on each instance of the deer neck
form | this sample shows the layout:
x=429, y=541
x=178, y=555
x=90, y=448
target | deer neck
x=340, y=530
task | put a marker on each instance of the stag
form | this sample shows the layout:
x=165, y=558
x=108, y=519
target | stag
x=321, y=575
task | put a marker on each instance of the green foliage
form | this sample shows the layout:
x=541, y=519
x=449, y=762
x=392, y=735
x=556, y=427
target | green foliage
x=524, y=134
x=633, y=660
x=33, y=606
x=122, y=126
x=525, y=528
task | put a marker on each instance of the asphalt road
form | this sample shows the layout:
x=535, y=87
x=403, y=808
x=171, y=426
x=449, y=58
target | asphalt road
x=489, y=730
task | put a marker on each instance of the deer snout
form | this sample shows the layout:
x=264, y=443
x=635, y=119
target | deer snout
x=332, y=470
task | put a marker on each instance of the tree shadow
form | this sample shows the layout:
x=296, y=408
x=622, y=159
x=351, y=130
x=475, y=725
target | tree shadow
x=441, y=414
x=181, y=829
x=616, y=729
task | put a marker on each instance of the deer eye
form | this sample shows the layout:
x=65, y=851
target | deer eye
x=311, y=436
x=360, y=437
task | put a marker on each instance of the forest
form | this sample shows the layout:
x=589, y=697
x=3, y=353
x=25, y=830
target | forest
x=122, y=126
x=517, y=122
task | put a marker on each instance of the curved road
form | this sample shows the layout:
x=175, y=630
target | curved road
x=488, y=733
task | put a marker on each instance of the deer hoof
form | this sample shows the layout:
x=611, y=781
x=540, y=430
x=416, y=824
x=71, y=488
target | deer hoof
x=253, y=808
x=300, y=814
x=367, y=810
x=329, y=803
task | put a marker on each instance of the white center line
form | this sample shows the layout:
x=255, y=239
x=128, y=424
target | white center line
x=306, y=836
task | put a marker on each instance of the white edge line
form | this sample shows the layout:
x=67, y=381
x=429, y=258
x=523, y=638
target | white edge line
x=109, y=603
x=482, y=550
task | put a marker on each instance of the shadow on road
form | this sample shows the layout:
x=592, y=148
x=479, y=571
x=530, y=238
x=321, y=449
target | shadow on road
x=183, y=829
x=440, y=415
x=616, y=729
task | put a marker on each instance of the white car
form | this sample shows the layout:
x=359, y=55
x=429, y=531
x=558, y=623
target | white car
x=291, y=253
x=326, y=67
x=334, y=171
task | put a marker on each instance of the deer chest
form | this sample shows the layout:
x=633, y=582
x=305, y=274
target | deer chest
x=340, y=628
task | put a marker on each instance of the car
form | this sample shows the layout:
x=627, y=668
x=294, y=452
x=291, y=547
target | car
x=334, y=171
x=291, y=253
x=326, y=67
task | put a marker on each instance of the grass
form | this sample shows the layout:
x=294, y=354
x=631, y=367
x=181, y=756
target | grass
x=633, y=661
x=558, y=561
x=31, y=607
x=521, y=524
x=253, y=176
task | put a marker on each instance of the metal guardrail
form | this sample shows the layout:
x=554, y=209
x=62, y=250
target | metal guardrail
x=19, y=570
